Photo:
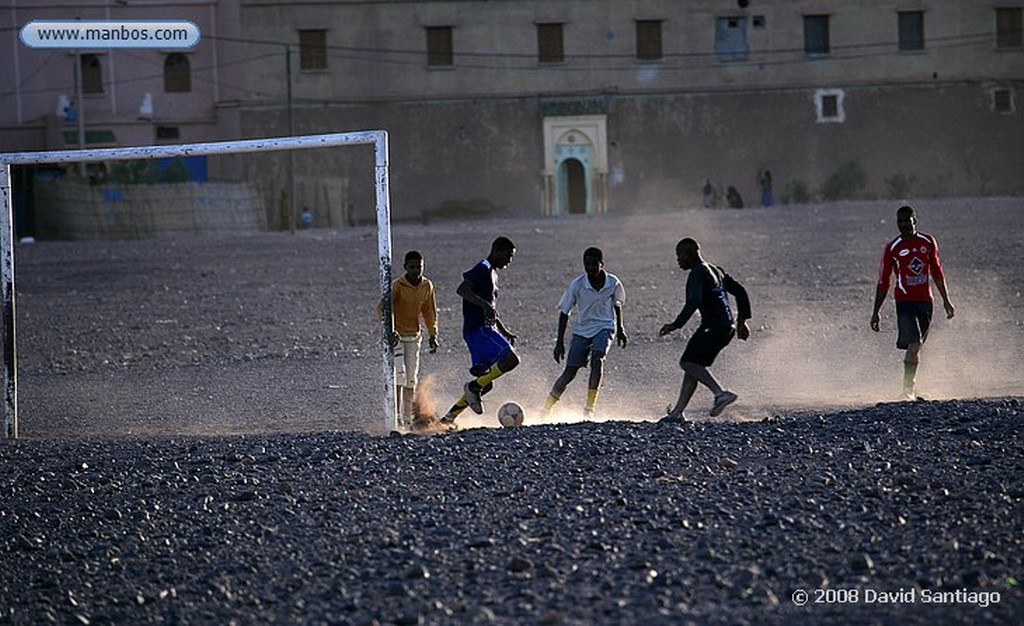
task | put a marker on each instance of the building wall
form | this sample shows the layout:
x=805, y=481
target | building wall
x=34, y=79
x=470, y=135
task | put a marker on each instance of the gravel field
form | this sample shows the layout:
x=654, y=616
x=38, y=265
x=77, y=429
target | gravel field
x=202, y=434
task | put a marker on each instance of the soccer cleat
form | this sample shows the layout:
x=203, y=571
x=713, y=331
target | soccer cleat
x=673, y=418
x=722, y=399
x=473, y=397
x=449, y=419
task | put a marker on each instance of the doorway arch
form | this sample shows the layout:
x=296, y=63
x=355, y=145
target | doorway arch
x=575, y=165
x=573, y=185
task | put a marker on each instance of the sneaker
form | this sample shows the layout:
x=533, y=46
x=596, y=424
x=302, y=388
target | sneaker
x=673, y=418
x=473, y=397
x=405, y=420
x=448, y=421
x=722, y=399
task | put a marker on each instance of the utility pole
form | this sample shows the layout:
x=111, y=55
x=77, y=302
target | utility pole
x=80, y=109
x=291, y=131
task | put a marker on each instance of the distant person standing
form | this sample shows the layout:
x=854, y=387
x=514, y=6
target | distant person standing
x=764, y=179
x=913, y=257
x=707, y=194
x=707, y=290
x=490, y=343
x=597, y=296
x=733, y=198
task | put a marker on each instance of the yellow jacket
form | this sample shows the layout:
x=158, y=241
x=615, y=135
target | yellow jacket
x=409, y=302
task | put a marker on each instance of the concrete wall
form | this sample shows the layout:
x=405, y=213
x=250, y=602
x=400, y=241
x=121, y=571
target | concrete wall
x=486, y=156
x=73, y=210
x=468, y=139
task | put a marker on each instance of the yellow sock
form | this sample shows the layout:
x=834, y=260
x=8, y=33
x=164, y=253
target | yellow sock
x=489, y=377
x=459, y=406
x=591, y=398
x=549, y=402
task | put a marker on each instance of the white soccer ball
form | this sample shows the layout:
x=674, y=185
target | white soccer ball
x=511, y=415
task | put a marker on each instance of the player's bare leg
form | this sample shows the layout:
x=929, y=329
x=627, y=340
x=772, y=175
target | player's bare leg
x=678, y=412
x=558, y=389
x=910, y=363
x=593, y=384
x=723, y=397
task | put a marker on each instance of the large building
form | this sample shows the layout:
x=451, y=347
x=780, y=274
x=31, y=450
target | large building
x=550, y=106
x=129, y=96
x=584, y=106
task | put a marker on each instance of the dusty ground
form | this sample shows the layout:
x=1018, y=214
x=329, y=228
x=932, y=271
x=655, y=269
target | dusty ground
x=199, y=444
x=274, y=332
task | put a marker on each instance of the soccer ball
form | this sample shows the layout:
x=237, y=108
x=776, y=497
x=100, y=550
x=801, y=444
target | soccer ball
x=511, y=415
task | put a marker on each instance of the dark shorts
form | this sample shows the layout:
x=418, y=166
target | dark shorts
x=912, y=319
x=486, y=347
x=580, y=348
x=705, y=344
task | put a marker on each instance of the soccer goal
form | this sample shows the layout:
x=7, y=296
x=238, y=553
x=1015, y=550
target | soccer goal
x=377, y=138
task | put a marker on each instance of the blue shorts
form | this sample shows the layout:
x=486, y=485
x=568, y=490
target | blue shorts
x=580, y=348
x=486, y=347
x=912, y=319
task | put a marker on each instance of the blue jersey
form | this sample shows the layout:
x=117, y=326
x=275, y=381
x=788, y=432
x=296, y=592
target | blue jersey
x=484, y=281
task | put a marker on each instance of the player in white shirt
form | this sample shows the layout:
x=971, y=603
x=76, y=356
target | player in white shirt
x=597, y=296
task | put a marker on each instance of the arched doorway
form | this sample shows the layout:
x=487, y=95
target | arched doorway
x=574, y=182
x=576, y=165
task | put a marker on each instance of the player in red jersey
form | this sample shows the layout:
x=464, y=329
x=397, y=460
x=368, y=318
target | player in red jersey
x=912, y=258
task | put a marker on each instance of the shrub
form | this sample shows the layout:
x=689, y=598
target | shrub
x=847, y=182
x=796, y=192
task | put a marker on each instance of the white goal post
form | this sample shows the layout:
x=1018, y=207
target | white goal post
x=379, y=140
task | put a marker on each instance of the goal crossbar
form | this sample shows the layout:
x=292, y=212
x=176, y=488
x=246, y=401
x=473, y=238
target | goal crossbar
x=377, y=138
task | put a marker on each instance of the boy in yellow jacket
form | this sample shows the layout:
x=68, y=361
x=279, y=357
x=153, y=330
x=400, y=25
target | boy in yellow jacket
x=412, y=297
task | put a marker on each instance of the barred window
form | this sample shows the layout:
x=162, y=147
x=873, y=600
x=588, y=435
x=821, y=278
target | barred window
x=648, y=40
x=816, y=34
x=177, y=73
x=1008, y=28
x=440, y=48
x=313, y=49
x=550, y=43
x=911, y=30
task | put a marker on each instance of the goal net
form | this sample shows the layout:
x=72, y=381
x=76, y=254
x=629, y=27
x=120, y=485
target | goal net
x=377, y=138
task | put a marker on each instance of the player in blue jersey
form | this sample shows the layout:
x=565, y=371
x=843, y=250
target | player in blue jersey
x=489, y=341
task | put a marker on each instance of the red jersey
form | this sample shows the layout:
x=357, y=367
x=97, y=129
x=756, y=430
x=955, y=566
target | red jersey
x=912, y=259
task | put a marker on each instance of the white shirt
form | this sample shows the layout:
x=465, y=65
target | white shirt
x=595, y=309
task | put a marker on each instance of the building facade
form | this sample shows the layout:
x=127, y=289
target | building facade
x=548, y=107
x=586, y=106
x=119, y=96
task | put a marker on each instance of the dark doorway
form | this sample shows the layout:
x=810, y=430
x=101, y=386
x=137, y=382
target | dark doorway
x=576, y=185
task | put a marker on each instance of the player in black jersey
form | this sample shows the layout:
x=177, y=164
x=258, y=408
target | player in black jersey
x=707, y=290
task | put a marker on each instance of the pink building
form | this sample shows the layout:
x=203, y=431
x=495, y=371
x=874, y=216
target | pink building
x=129, y=96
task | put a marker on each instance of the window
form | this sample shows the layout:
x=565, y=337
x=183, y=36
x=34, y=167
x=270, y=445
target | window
x=439, y=45
x=911, y=27
x=1008, y=28
x=177, y=75
x=828, y=106
x=648, y=40
x=731, y=38
x=550, y=45
x=816, y=34
x=167, y=132
x=1002, y=100
x=92, y=74
x=312, y=49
